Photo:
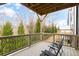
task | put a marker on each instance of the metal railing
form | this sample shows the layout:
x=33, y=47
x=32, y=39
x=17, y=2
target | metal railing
x=69, y=40
x=9, y=44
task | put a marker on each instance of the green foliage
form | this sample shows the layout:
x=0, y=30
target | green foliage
x=7, y=29
x=14, y=43
x=21, y=28
x=37, y=29
x=50, y=29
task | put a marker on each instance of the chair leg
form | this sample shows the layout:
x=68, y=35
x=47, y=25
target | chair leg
x=61, y=52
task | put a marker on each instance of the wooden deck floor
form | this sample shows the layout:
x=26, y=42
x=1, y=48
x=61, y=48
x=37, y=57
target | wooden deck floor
x=69, y=51
x=35, y=50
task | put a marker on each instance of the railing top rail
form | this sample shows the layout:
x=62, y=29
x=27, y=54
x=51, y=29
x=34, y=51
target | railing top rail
x=10, y=36
x=66, y=34
x=62, y=34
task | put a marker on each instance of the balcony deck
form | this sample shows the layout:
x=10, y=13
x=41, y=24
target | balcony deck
x=35, y=50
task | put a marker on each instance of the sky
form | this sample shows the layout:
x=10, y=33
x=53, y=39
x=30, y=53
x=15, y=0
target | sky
x=59, y=18
x=15, y=12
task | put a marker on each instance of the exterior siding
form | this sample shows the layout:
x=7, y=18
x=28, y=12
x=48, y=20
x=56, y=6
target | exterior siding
x=72, y=19
x=72, y=22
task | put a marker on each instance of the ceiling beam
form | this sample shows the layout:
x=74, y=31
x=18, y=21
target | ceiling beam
x=44, y=8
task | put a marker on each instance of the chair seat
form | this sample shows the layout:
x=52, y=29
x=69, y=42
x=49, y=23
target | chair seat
x=48, y=53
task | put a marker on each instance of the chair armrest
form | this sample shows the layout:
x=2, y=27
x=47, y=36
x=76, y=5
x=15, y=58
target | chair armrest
x=55, y=45
x=54, y=48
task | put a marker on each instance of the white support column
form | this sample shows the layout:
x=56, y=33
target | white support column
x=41, y=23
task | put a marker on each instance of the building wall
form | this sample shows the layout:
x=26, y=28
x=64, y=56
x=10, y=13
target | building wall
x=78, y=21
x=74, y=23
x=72, y=19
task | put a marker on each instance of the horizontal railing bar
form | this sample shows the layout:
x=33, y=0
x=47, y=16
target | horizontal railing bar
x=62, y=34
x=10, y=36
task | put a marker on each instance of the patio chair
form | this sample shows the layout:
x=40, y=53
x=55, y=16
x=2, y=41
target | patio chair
x=56, y=46
x=56, y=50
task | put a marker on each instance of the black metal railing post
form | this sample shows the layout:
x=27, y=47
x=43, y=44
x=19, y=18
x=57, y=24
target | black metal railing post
x=29, y=40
